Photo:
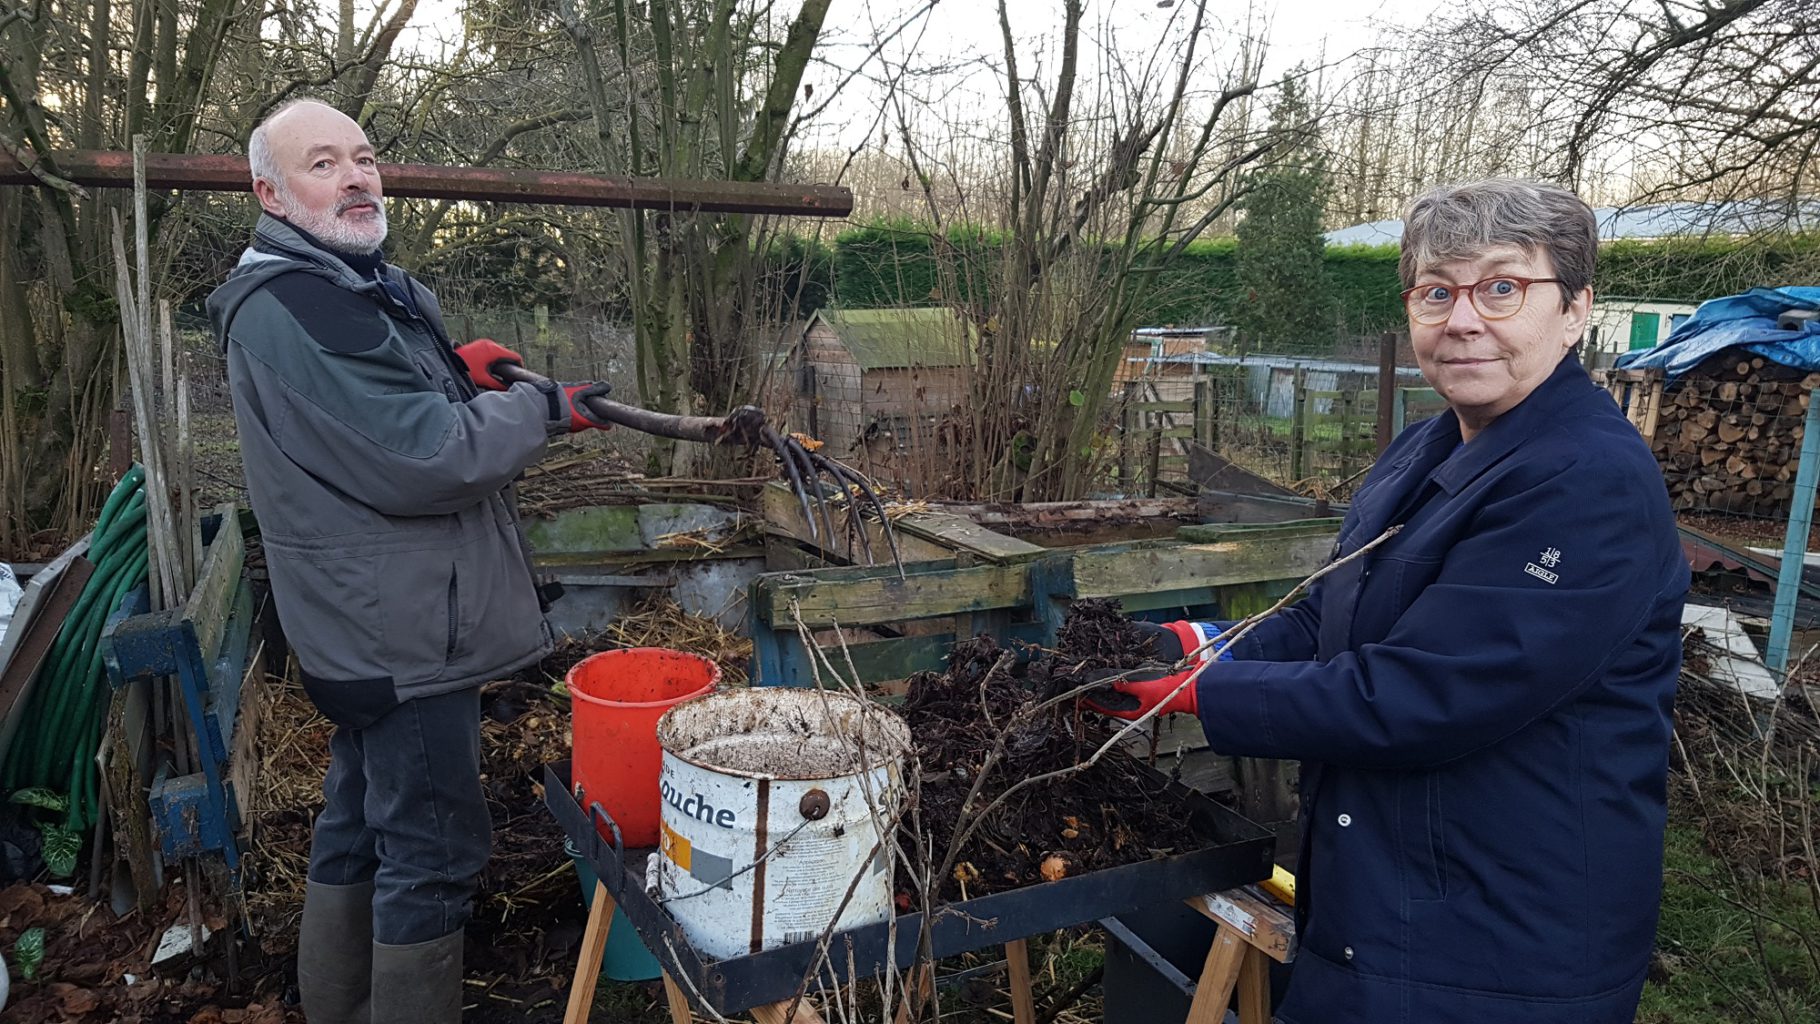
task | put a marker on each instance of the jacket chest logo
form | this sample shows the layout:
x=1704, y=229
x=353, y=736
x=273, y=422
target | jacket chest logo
x=1550, y=557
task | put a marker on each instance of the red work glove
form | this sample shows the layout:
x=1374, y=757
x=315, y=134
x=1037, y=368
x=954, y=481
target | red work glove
x=482, y=353
x=579, y=418
x=1146, y=691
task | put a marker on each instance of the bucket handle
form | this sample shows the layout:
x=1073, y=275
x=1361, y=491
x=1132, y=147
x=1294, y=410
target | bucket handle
x=598, y=815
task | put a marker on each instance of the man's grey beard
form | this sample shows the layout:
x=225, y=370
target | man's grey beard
x=332, y=229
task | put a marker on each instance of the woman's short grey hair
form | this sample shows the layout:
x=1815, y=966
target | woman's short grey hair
x=1456, y=222
x=259, y=148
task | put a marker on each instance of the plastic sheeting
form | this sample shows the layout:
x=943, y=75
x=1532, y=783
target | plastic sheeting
x=1747, y=321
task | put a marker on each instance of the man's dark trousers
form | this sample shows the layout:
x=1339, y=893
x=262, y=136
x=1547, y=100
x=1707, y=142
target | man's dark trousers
x=406, y=812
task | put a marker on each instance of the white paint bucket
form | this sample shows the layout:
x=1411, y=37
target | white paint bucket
x=773, y=798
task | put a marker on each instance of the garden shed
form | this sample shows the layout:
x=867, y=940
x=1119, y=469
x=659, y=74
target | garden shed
x=872, y=382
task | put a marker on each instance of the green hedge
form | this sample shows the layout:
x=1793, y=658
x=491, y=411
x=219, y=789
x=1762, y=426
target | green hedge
x=893, y=263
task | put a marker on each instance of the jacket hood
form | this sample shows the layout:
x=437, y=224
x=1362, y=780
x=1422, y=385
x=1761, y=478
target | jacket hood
x=278, y=248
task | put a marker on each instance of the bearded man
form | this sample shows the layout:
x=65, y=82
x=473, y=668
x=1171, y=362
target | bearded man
x=379, y=462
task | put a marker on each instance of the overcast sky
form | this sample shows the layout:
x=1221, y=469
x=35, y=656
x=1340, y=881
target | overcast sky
x=963, y=35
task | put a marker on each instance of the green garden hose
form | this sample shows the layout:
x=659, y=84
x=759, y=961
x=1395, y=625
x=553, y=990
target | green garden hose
x=56, y=746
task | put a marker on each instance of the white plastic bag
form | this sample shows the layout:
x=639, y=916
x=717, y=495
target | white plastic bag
x=10, y=592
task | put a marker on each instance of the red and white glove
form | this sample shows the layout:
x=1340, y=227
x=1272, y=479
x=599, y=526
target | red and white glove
x=480, y=354
x=1150, y=691
x=579, y=417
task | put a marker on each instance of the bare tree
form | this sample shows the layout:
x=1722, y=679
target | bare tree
x=1108, y=178
x=1684, y=99
x=693, y=89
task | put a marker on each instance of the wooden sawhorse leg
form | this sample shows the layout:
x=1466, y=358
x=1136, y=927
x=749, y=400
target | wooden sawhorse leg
x=1017, y=962
x=1255, y=927
x=593, y=948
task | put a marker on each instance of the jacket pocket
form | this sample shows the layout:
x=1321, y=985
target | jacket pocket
x=454, y=613
x=1424, y=836
x=418, y=595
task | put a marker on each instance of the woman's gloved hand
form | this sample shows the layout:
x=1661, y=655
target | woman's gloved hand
x=1135, y=697
x=1172, y=641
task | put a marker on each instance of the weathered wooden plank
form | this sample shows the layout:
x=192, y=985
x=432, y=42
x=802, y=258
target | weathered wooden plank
x=1214, y=533
x=34, y=637
x=243, y=760
x=784, y=515
x=886, y=598
x=211, y=601
x=964, y=537
x=1149, y=567
x=1164, y=406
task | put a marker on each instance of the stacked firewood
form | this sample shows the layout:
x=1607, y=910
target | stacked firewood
x=1729, y=434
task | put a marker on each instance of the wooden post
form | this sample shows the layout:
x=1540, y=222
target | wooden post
x=1298, y=426
x=1129, y=420
x=1387, y=386
x=1154, y=458
x=119, y=443
x=1204, y=412
x=1347, y=398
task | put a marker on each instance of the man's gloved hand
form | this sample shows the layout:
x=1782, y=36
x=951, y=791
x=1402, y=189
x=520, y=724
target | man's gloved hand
x=579, y=417
x=1136, y=696
x=482, y=353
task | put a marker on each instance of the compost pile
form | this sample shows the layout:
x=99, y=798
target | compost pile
x=1103, y=816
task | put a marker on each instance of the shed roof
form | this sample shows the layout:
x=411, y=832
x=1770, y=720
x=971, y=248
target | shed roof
x=901, y=337
x=1654, y=220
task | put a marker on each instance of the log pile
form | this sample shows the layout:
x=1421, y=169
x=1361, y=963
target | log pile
x=1729, y=436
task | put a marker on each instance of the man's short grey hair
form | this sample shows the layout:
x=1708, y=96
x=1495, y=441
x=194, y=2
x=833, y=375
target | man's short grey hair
x=1456, y=222
x=259, y=147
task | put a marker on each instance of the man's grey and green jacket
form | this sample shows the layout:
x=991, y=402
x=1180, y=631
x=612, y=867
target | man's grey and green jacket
x=380, y=477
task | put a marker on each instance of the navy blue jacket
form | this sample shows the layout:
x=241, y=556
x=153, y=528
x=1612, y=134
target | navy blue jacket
x=1483, y=709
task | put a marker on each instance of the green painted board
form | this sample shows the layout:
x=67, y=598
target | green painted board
x=1149, y=567
x=884, y=597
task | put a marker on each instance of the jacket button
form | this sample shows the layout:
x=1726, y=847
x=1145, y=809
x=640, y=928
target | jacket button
x=1345, y=820
x=1348, y=952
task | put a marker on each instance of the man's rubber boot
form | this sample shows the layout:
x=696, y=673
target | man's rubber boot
x=420, y=982
x=335, y=953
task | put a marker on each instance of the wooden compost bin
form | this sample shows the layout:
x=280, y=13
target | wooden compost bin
x=961, y=579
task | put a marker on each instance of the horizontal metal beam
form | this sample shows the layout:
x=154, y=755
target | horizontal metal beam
x=207, y=173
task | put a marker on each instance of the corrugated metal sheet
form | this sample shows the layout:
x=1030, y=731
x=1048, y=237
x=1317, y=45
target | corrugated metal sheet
x=898, y=338
x=1656, y=220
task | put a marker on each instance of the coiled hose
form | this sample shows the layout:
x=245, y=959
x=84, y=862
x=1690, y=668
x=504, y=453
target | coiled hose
x=61, y=730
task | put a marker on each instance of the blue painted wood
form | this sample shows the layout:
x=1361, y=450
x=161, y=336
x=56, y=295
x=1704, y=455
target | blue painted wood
x=198, y=813
x=767, y=657
x=1794, y=543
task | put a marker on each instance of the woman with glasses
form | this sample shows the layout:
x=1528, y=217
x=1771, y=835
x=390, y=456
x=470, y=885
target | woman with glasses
x=1482, y=702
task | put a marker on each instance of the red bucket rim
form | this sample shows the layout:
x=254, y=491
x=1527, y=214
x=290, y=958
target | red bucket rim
x=575, y=694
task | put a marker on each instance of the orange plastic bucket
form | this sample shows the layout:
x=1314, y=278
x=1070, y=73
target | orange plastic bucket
x=615, y=699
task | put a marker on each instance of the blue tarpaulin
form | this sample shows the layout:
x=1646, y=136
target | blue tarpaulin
x=1747, y=321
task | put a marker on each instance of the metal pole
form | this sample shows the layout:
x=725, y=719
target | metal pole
x=212, y=173
x=1794, y=544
